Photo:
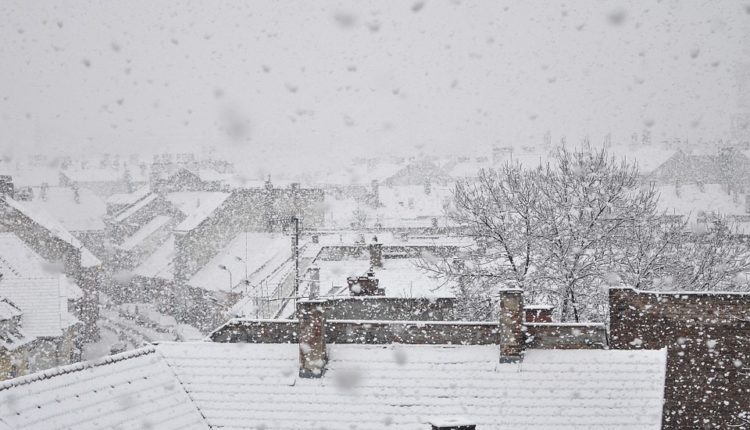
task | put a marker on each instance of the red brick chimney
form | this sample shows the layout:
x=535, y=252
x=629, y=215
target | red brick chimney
x=312, y=340
x=511, y=326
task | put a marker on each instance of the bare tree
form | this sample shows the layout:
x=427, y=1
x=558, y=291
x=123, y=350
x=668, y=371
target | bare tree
x=589, y=198
x=565, y=231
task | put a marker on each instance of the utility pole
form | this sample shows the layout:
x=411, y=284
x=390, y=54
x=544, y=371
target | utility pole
x=295, y=220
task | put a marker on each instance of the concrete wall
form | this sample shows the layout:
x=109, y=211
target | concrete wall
x=708, y=341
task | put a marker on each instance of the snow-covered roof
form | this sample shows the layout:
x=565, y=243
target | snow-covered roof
x=56, y=229
x=8, y=310
x=140, y=204
x=128, y=198
x=84, y=214
x=44, y=306
x=690, y=200
x=17, y=260
x=259, y=254
x=133, y=390
x=29, y=176
x=197, y=205
x=411, y=201
x=358, y=175
x=400, y=277
x=646, y=158
x=160, y=264
x=97, y=175
x=251, y=386
x=144, y=232
x=35, y=287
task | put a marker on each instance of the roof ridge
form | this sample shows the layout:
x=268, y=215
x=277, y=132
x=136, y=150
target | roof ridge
x=75, y=367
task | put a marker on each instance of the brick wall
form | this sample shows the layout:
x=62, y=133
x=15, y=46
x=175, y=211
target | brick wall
x=708, y=341
x=412, y=332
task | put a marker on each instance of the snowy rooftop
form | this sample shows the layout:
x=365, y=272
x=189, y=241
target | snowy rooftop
x=144, y=232
x=404, y=386
x=258, y=254
x=389, y=238
x=399, y=276
x=133, y=390
x=43, y=305
x=17, y=260
x=253, y=386
x=197, y=205
x=84, y=214
x=102, y=175
x=56, y=229
x=138, y=205
x=160, y=264
x=128, y=198
x=690, y=200
x=35, y=287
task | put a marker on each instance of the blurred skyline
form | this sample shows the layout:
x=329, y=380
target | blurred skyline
x=304, y=83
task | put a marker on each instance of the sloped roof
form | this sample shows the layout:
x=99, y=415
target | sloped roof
x=144, y=232
x=8, y=310
x=160, y=264
x=128, y=198
x=260, y=253
x=35, y=287
x=17, y=260
x=86, y=214
x=133, y=390
x=690, y=200
x=44, y=308
x=197, y=205
x=138, y=205
x=56, y=229
x=250, y=386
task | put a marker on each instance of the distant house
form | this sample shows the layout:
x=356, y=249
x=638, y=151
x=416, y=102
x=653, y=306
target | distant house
x=699, y=204
x=56, y=245
x=419, y=173
x=39, y=331
x=80, y=211
x=730, y=168
x=103, y=181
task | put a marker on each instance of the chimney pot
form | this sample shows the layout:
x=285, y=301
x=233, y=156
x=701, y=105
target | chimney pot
x=511, y=326
x=312, y=342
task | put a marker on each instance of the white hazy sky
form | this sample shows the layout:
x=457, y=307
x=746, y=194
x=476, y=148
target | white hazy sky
x=264, y=80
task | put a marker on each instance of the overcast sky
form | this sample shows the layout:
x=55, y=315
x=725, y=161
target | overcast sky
x=301, y=79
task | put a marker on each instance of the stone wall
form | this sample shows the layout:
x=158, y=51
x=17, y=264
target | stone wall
x=708, y=340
